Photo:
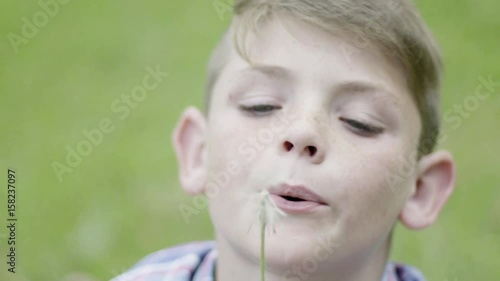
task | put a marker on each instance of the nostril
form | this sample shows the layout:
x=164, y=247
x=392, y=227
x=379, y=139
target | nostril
x=312, y=150
x=288, y=145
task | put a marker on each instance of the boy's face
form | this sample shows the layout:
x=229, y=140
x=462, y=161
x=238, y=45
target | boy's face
x=316, y=111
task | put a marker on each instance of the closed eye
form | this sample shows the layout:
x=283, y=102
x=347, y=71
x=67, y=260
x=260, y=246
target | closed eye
x=362, y=128
x=259, y=109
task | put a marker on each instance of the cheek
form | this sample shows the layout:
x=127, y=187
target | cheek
x=233, y=137
x=376, y=185
x=386, y=165
x=227, y=158
x=224, y=138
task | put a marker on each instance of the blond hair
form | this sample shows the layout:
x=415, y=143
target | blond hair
x=392, y=26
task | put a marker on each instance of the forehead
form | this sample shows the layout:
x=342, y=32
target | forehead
x=306, y=49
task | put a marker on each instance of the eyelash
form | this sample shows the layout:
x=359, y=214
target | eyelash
x=362, y=128
x=259, y=109
x=359, y=127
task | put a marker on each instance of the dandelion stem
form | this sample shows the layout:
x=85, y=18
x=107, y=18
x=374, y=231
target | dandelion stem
x=262, y=252
x=269, y=214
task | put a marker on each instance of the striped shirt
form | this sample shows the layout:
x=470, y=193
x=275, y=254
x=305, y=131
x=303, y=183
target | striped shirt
x=196, y=262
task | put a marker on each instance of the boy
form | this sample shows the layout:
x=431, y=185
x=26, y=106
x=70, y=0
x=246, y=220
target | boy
x=333, y=108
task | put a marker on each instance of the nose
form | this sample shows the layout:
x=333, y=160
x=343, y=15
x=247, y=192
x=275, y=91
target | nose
x=306, y=142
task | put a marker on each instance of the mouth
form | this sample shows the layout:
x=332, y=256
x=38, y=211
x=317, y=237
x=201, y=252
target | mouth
x=296, y=199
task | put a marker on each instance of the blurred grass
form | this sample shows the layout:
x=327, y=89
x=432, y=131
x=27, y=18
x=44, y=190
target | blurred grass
x=121, y=202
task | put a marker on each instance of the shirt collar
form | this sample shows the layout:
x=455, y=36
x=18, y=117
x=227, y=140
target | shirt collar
x=392, y=272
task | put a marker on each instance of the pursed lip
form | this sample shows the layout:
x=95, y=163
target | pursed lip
x=298, y=192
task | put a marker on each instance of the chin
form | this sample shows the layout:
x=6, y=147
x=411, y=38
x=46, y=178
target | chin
x=288, y=249
x=285, y=252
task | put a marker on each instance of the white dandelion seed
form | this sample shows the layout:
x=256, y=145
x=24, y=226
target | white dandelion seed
x=269, y=214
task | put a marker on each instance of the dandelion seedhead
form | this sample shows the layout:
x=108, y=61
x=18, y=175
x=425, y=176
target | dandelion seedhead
x=269, y=214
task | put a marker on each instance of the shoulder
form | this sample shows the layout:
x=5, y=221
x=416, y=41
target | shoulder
x=177, y=264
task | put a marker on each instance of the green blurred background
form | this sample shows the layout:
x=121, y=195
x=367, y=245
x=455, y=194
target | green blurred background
x=121, y=202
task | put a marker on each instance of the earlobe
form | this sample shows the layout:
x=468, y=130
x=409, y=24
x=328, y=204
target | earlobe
x=434, y=184
x=189, y=143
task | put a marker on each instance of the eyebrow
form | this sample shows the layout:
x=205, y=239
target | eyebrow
x=272, y=71
x=354, y=86
x=349, y=87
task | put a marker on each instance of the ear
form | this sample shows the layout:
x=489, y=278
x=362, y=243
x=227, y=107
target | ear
x=189, y=144
x=434, y=184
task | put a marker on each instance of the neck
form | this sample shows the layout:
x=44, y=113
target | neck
x=233, y=265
